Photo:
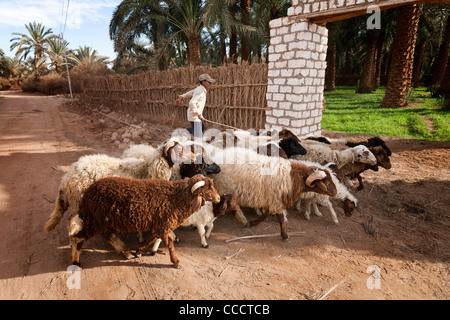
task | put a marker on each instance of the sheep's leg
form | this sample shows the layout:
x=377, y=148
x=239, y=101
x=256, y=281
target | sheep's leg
x=361, y=185
x=118, y=244
x=209, y=229
x=145, y=245
x=77, y=244
x=254, y=223
x=155, y=246
x=298, y=204
x=140, y=237
x=284, y=234
x=202, y=233
x=329, y=205
x=168, y=240
x=239, y=215
x=308, y=209
x=316, y=209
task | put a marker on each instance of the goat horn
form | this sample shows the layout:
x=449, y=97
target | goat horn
x=168, y=146
x=316, y=175
x=197, y=185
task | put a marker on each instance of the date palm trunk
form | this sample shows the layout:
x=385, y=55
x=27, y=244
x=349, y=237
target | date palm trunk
x=402, y=57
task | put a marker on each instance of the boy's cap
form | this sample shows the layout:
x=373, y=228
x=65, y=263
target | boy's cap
x=206, y=77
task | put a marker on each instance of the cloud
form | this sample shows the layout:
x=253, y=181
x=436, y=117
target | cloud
x=51, y=14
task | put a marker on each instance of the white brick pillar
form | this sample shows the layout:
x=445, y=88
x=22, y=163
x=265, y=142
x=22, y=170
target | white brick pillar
x=296, y=75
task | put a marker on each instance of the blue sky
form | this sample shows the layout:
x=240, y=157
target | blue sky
x=87, y=21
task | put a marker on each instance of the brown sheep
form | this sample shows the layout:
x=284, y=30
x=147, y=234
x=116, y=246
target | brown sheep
x=117, y=205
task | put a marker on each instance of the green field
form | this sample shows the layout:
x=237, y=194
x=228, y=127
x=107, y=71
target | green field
x=349, y=112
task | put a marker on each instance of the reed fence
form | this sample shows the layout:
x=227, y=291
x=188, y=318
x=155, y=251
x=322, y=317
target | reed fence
x=237, y=99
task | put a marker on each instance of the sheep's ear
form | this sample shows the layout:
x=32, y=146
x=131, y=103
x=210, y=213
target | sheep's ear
x=321, y=185
x=197, y=204
x=168, y=146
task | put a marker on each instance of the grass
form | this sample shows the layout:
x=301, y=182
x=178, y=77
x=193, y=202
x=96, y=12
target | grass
x=349, y=112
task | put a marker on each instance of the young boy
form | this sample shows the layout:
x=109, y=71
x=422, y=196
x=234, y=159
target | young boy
x=197, y=104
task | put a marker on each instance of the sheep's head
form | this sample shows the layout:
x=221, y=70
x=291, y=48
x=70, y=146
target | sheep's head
x=382, y=157
x=348, y=206
x=202, y=189
x=227, y=203
x=378, y=142
x=202, y=159
x=362, y=154
x=199, y=166
x=320, y=181
x=291, y=146
x=174, y=153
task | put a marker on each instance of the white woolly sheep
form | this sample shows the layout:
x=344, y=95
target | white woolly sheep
x=321, y=153
x=269, y=183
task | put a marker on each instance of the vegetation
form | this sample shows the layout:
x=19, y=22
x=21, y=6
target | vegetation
x=362, y=114
x=379, y=67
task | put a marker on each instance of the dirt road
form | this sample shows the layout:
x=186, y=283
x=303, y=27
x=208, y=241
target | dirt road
x=401, y=229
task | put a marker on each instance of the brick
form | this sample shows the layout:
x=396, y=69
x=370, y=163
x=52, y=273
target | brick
x=286, y=72
x=286, y=89
x=298, y=123
x=277, y=113
x=272, y=88
x=284, y=122
x=279, y=81
x=286, y=105
x=274, y=57
x=275, y=23
x=280, y=48
x=299, y=26
x=273, y=73
x=278, y=97
x=271, y=120
x=275, y=40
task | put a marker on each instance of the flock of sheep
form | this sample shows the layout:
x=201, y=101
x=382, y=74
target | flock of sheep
x=186, y=182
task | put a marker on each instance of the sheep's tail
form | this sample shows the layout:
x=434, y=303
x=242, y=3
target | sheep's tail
x=61, y=206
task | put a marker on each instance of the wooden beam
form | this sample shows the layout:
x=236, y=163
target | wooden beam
x=343, y=13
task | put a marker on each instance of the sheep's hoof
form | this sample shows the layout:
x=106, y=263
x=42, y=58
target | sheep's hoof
x=75, y=263
x=177, y=240
x=178, y=266
x=130, y=256
x=205, y=246
x=152, y=253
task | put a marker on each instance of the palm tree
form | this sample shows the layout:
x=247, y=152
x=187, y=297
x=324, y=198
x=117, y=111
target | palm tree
x=264, y=12
x=440, y=62
x=402, y=56
x=133, y=19
x=5, y=65
x=185, y=18
x=218, y=14
x=367, y=77
x=87, y=57
x=36, y=42
x=55, y=51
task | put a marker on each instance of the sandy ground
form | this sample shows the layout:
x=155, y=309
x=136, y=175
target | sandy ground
x=401, y=228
